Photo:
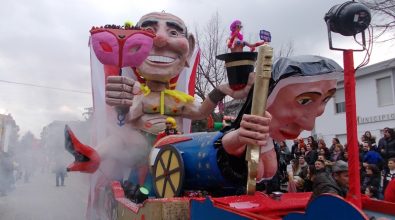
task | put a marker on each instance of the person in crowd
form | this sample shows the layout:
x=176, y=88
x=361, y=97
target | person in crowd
x=284, y=159
x=370, y=156
x=328, y=163
x=363, y=138
x=294, y=147
x=284, y=151
x=321, y=143
x=28, y=166
x=303, y=166
x=337, y=153
x=294, y=172
x=290, y=172
x=371, y=178
x=299, y=184
x=60, y=172
x=372, y=192
x=274, y=184
x=382, y=141
x=310, y=155
x=320, y=166
x=309, y=179
x=337, y=183
x=389, y=173
x=302, y=151
x=387, y=143
x=345, y=156
x=325, y=152
x=6, y=173
x=293, y=168
x=370, y=139
x=321, y=156
x=299, y=151
x=334, y=142
x=313, y=143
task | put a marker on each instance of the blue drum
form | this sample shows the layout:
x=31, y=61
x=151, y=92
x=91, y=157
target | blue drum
x=189, y=163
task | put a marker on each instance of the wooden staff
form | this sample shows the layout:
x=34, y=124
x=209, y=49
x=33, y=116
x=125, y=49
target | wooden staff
x=259, y=98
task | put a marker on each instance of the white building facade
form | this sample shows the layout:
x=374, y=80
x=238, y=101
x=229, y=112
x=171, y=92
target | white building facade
x=375, y=105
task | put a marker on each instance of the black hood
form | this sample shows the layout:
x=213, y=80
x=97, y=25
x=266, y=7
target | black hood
x=303, y=65
x=295, y=66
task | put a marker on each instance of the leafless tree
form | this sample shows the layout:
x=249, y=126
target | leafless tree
x=285, y=50
x=383, y=13
x=211, y=72
x=212, y=42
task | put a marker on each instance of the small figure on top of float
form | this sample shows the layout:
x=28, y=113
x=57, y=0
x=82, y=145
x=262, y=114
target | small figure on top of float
x=235, y=42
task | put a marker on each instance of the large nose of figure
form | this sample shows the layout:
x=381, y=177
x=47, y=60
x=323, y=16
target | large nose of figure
x=307, y=121
x=160, y=40
x=320, y=110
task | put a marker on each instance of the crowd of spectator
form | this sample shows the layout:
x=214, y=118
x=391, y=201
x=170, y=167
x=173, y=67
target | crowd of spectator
x=310, y=164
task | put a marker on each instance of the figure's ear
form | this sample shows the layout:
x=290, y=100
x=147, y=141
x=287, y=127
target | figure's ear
x=191, y=41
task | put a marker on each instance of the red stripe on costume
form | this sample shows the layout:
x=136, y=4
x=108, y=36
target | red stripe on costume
x=192, y=77
x=138, y=76
x=173, y=82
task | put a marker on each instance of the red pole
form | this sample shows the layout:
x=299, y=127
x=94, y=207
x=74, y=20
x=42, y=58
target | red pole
x=354, y=194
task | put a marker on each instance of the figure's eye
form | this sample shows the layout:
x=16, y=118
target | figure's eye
x=174, y=33
x=304, y=101
x=151, y=29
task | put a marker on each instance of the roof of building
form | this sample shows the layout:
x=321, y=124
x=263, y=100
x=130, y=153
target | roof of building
x=374, y=68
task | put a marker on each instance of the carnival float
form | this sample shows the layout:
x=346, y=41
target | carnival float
x=144, y=74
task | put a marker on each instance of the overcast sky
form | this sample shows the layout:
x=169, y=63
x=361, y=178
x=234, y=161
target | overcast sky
x=45, y=43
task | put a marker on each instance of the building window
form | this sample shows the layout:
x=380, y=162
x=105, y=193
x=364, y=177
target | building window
x=340, y=102
x=385, y=94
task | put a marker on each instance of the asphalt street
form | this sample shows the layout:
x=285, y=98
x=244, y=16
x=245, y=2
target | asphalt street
x=40, y=199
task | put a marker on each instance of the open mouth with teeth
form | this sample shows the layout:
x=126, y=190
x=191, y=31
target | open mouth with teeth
x=160, y=59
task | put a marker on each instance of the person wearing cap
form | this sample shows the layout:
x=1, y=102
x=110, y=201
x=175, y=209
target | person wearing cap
x=171, y=126
x=335, y=183
x=171, y=129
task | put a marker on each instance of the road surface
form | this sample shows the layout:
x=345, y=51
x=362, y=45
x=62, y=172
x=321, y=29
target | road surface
x=40, y=199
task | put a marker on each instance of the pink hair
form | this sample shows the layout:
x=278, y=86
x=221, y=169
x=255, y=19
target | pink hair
x=233, y=29
x=234, y=24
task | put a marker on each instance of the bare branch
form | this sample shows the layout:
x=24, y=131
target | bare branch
x=384, y=18
x=211, y=72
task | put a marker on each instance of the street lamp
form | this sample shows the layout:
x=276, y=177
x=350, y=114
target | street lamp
x=349, y=19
